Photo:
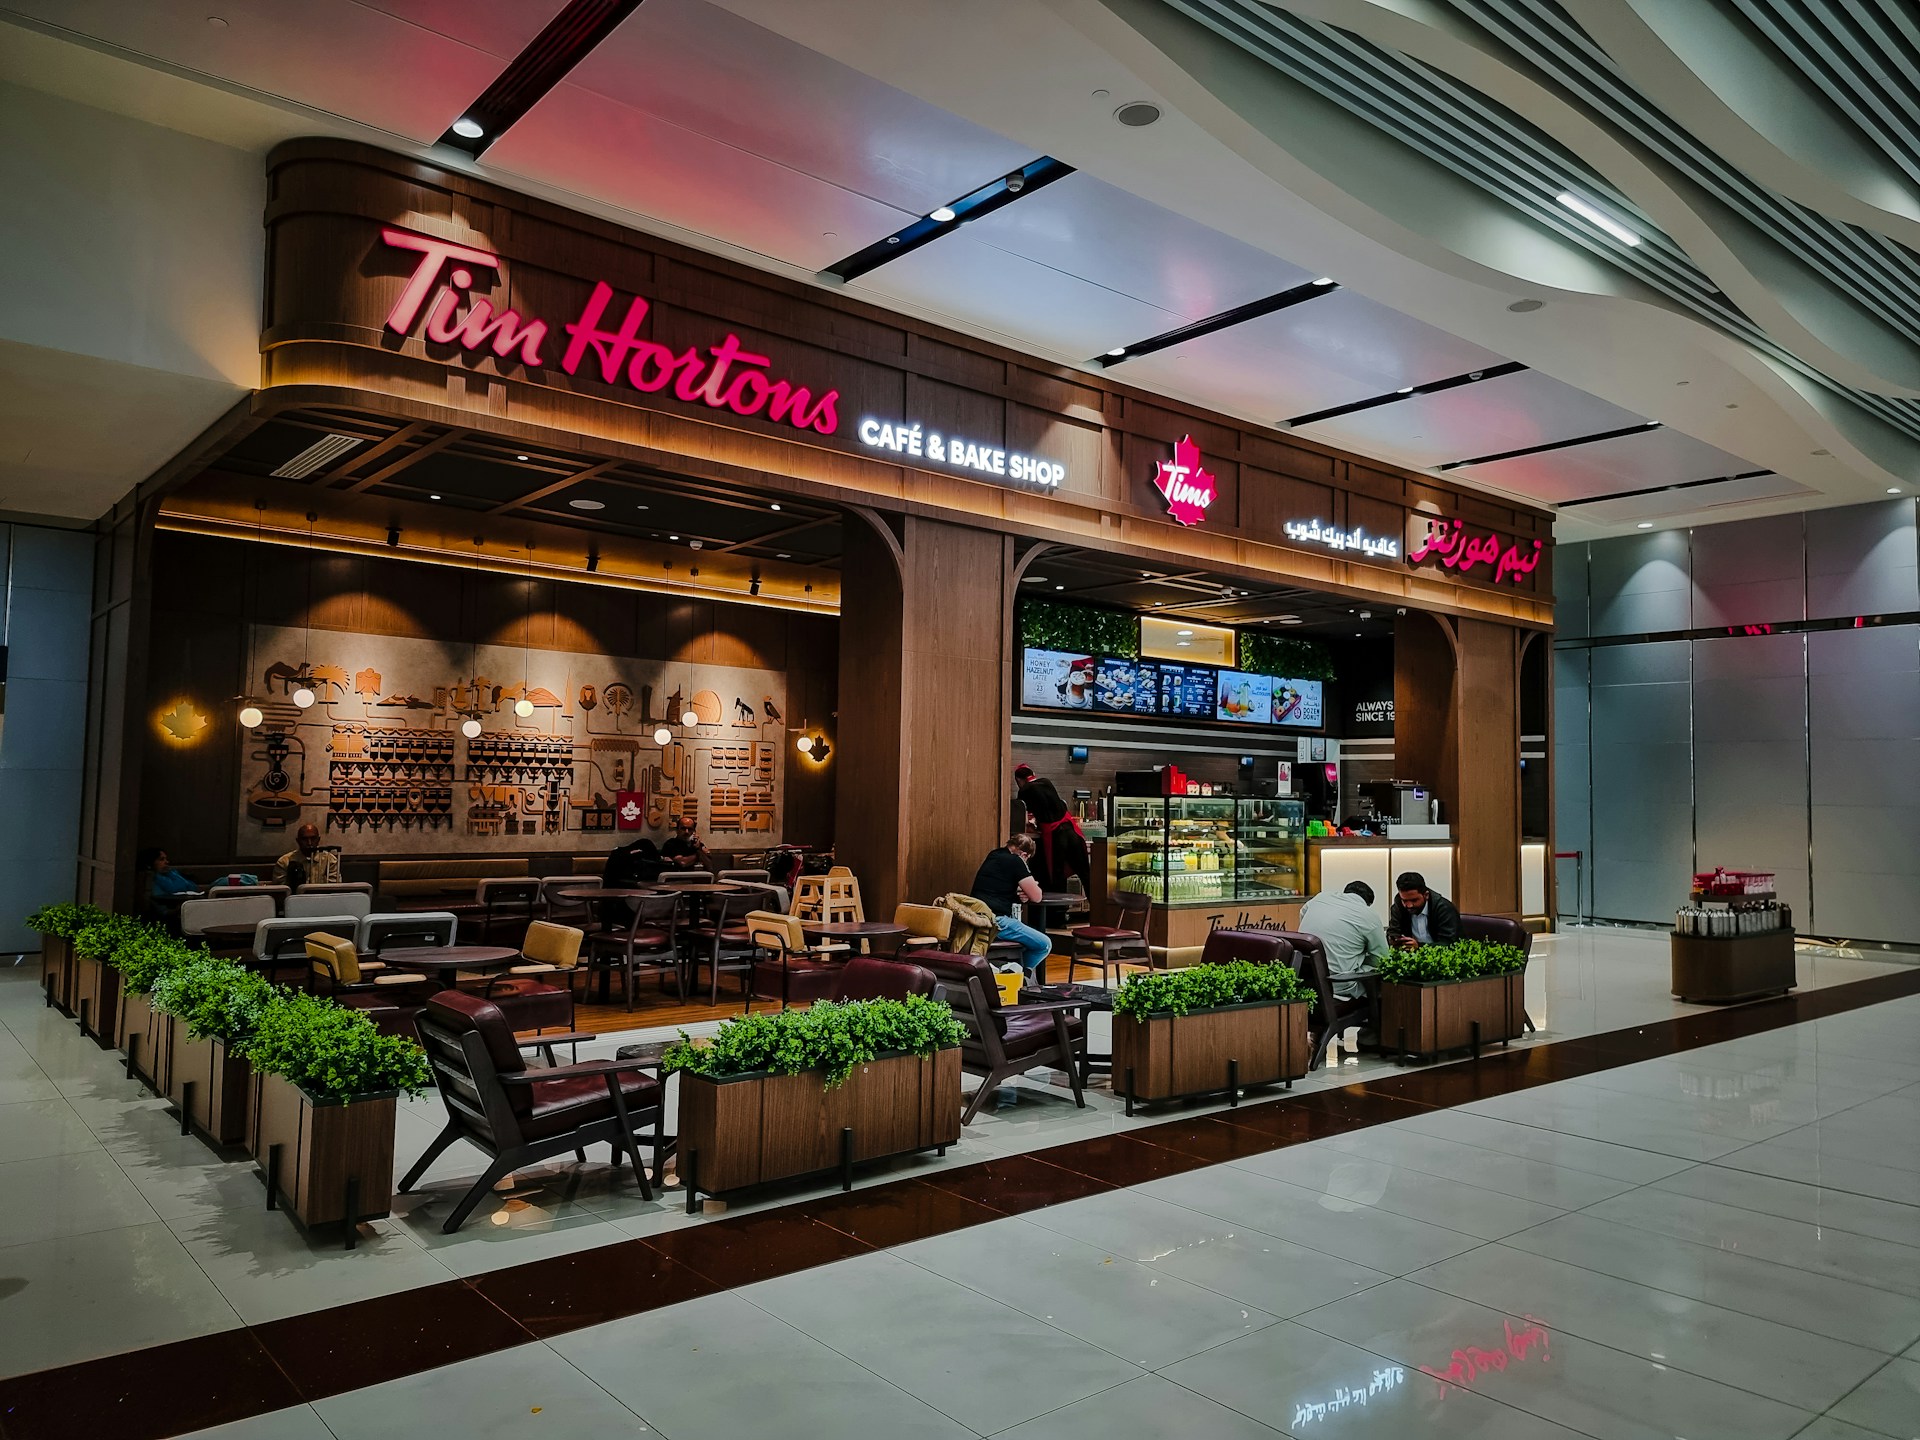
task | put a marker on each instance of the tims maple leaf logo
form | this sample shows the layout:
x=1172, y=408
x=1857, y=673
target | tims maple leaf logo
x=183, y=722
x=630, y=811
x=1188, y=489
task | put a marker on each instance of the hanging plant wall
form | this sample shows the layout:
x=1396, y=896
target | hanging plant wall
x=1081, y=629
x=1285, y=656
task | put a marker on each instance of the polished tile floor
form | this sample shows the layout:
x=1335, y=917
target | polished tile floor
x=1724, y=1241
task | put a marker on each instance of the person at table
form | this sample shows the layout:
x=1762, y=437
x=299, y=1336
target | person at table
x=1062, y=848
x=166, y=887
x=1349, y=929
x=1003, y=881
x=632, y=866
x=307, y=863
x=683, y=850
x=1421, y=916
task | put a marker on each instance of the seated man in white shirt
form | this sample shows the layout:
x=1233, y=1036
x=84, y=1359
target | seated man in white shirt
x=1350, y=930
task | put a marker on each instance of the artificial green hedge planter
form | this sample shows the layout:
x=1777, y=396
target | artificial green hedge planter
x=1207, y=987
x=827, y=1036
x=1439, y=964
x=65, y=920
x=331, y=1052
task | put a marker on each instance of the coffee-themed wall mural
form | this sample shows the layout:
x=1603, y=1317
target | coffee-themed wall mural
x=419, y=746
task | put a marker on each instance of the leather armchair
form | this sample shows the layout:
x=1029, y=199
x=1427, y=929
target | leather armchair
x=785, y=965
x=1334, y=1013
x=540, y=991
x=1499, y=930
x=1261, y=947
x=518, y=1116
x=871, y=978
x=1006, y=1040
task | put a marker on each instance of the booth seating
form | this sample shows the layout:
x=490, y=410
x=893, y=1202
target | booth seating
x=928, y=926
x=516, y=1116
x=1499, y=930
x=196, y=915
x=506, y=901
x=443, y=884
x=1112, y=947
x=337, y=971
x=303, y=905
x=788, y=967
x=1006, y=1040
x=542, y=992
x=336, y=887
x=385, y=930
x=1334, y=1013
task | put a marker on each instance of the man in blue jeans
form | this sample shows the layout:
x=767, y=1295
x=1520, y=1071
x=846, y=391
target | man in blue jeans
x=1004, y=881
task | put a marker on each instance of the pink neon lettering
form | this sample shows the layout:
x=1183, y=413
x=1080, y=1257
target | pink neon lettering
x=1187, y=488
x=1456, y=550
x=731, y=380
x=1470, y=1361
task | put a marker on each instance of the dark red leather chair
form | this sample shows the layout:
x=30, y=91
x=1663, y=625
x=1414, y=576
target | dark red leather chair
x=1260, y=947
x=1006, y=1040
x=1334, y=1013
x=519, y=1116
x=1499, y=930
x=868, y=977
x=1112, y=946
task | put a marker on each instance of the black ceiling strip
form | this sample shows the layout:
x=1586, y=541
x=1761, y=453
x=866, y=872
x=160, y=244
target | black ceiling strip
x=1662, y=489
x=1432, y=387
x=567, y=40
x=1641, y=428
x=995, y=195
x=1239, y=315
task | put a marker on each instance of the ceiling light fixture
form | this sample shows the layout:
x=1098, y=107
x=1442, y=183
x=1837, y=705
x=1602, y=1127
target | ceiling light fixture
x=1645, y=525
x=1001, y=191
x=1589, y=212
x=1137, y=114
x=523, y=457
x=783, y=555
x=1895, y=490
x=470, y=729
x=943, y=214
x=468, y=128
x=1404, y=390
x=804, y=744
x=433, y=497
x=1117, y=351
x=663, y=736
x=1324, y=280
x=1430, y=387
x=586, y=504
x=1238, y=315
x=1059, y=587
x=567, y=39
x=1034, y=580
x=776, y=505
x=689, y=717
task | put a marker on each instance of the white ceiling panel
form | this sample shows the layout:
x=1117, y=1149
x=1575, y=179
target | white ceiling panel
x=710, y=73
x=1664, y=503
x=666, y=172
x=1630, y=462
x=1086, y=227
x=334, y=55
x=1507, y=413
x=500, y=27
x=1033, y=306
x=1323, y=352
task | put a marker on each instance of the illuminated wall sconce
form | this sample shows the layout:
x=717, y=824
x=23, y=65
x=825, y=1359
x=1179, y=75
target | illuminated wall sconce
x=814, y=747
x=183, y=724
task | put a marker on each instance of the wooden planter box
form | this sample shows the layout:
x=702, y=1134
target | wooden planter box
x=94, y=996
x=322, y=1156
x=220, y=1100
x=56, y=970
x=754, y=1129
x=1713, y=971
x=145, y=1037
x=1210, y=1052
x=1426, y=1018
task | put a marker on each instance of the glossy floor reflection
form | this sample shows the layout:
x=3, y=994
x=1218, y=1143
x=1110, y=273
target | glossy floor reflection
x=1614, y=1255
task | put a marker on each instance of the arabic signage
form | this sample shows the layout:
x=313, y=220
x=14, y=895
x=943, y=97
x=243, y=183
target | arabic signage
x=725, y=376
x=1315, y=532
x=1532, y=1341
x=904, y=437
x=1187, y=489
x=1450, y=543
x=1363, y=1389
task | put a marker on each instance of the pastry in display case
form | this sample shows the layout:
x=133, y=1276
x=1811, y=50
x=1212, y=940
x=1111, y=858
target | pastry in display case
x=1182, y=848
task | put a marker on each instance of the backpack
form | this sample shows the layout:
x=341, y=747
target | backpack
x=972, y=924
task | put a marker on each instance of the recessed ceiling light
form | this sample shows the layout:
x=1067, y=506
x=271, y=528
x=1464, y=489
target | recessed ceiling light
x=587, y=504
x=829, y=235
x=1035, y=579
x=433, y=497
x=1183, y=632
x=1590, y=212
x=643, y=507
x=1526, y=307
x=216, y=22
x=1059, y=587
x=1117, y=351
x=943, y=214
x=1136, y=113
x=783, y=555
x=1158, y=603
x=1183, y=643
x=775, y=505
x=1646, y=525
x=1822, y=452
x=1356, y=634
x=673, y=537
x=468, y=128
x=1324, y=280
x=1404, y=390
x=1895, y=490
x=523, y=457
x=1291, y=620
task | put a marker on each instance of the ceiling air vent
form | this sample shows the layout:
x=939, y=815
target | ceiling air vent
x=317, y=456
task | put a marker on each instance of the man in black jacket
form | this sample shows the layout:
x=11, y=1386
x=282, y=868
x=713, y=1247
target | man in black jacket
x=1419, y=916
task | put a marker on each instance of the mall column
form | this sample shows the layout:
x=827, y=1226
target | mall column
x=922, y=757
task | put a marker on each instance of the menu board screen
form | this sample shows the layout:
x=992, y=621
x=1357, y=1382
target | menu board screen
x=1130, y=687
x=1298, y=702
x=1058, y=680
x=1244, y=699
x=1187, y=691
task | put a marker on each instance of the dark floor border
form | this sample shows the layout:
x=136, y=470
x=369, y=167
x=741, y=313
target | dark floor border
x=188, y=1385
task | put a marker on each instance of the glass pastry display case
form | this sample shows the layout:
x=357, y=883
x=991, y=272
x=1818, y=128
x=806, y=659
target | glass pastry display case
x=1200, y=849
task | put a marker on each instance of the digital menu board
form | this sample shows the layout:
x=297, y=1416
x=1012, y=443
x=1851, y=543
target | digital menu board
x=1187, y=691
x=1298, y=702
x=1058, y=679
x=1127, y=687
x=1243, y=699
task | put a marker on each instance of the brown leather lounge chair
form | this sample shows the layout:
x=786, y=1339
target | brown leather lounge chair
x=519, y=1116
x=1006, y=1040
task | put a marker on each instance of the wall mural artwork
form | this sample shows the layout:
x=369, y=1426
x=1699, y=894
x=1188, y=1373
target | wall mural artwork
x=379, y=761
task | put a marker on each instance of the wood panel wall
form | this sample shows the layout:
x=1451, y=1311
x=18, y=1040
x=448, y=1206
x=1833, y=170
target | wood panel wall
x=207, y=592
x=1487, y=810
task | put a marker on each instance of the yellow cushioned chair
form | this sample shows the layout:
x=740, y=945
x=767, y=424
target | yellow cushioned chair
x=927, y=925
x=336, y=965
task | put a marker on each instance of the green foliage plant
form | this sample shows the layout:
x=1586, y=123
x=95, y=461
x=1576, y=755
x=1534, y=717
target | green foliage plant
x=1439, y=964
x=65, y=919
x=1079, y=629
x=215, y=999
x=1285, y=656
x=828, y=1036
x=144, y=958
x=1207, y=987
x=331, y=1052
x=106, y=935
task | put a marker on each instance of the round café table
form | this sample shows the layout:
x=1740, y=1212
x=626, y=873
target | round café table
x=854, y=932
x=224, y=939
x=444, y=962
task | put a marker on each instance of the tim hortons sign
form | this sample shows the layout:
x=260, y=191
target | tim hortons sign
x=725, y=376
x=1449, y=543
x=1187, y=489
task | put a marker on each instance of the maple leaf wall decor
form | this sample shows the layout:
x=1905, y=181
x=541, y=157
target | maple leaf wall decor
x=1187, y=489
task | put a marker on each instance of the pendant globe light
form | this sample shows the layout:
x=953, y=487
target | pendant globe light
x=251, y=715
x=523, y=707
x=303, y=695
x=470, y=727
